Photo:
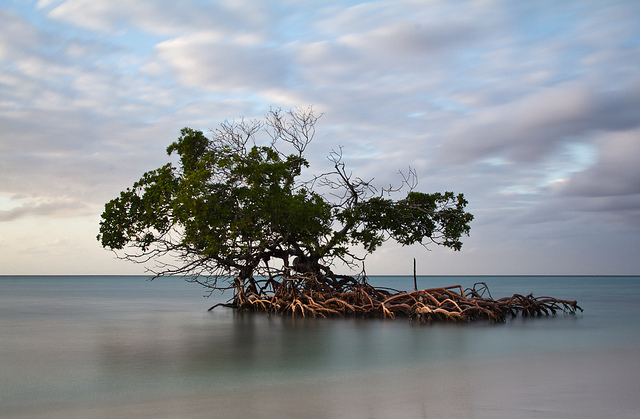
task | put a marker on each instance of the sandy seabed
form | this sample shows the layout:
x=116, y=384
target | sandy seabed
x=591, y=384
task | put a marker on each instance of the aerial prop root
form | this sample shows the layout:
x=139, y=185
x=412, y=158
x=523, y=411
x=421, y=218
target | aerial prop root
x=305, y=296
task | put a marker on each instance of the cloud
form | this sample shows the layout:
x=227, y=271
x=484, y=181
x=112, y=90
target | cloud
x=616, y=172
x=61, y=207
x=605, y=192
x=366, y=44
x=531, y=128
x=411, y=38
x=206, y=60
x=158, y=17
x=116, y=15
x=531, y=111
x=17, y=37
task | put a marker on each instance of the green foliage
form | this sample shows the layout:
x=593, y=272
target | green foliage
x=418, y=218
x=233, y=208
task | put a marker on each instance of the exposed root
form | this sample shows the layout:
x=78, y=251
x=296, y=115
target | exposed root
x=312, y=296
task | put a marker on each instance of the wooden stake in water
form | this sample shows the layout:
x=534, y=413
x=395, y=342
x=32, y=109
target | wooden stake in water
x=415, y=282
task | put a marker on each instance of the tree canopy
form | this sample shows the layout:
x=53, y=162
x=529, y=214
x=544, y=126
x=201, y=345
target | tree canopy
x=230, y=208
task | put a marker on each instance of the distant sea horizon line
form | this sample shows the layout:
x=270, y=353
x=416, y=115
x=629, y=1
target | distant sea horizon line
x=368, y=275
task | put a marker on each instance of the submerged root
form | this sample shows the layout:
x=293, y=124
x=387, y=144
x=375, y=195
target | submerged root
x=304, y=296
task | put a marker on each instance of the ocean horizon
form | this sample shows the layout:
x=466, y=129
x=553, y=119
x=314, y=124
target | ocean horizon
x=123, y=346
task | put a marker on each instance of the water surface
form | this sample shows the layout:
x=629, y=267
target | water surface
x=103, y=346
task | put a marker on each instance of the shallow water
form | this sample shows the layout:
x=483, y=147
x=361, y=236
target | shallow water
x=123, y=346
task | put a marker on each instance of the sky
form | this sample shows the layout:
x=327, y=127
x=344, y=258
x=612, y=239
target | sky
x=529, y=108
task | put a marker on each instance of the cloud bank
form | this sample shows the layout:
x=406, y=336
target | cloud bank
x=529, y=108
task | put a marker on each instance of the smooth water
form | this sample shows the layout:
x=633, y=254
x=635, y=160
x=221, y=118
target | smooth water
x=105, y=346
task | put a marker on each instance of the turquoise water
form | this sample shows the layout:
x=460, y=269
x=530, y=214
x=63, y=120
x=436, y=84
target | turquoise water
x=103, y=342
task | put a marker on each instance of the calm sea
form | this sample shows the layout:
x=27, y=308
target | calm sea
x=114, y=346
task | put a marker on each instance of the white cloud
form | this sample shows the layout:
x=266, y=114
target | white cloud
x=161, y=17
x=205, y=60
x=616, y=172
x=531, y=128
x=61, y=207
x=115, y=15
x=17, y=37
